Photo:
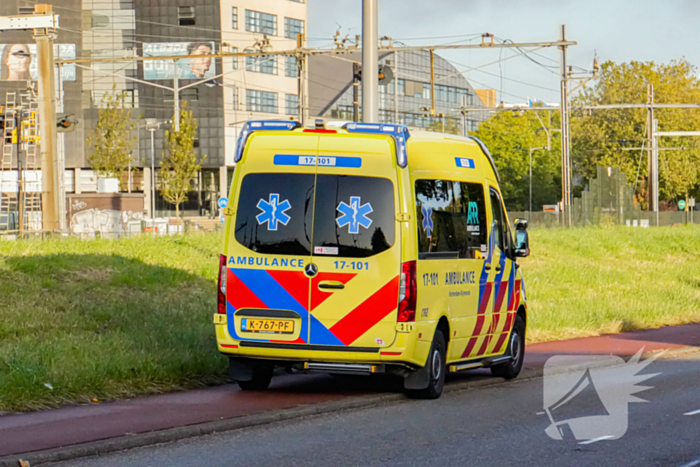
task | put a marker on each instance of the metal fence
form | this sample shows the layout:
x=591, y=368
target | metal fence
x=157, y=227
x=608, y=200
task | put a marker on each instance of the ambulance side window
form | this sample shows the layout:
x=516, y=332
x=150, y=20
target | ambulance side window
x=470, y=219
x=435, y=211
x=498, y=219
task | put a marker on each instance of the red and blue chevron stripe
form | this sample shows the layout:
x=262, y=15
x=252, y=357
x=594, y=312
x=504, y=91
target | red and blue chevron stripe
x=289, y=290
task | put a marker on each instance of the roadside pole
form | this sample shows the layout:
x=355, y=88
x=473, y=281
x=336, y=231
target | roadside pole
x=564, y=114
x=655, y=169
x=370, y=65
x=47, y=111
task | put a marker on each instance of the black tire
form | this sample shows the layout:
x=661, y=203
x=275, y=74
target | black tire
x=437, y=368
x=516, y=350
x=262, y=375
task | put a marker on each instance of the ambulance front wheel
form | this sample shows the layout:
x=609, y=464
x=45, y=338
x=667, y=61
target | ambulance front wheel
x=249, y=374
x=516, y=350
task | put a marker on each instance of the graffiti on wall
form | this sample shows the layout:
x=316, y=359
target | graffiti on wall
x=108, y=222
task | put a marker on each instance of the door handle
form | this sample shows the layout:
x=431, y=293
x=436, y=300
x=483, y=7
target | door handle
x=331, y=285
x=487, y=267
x=498, y=269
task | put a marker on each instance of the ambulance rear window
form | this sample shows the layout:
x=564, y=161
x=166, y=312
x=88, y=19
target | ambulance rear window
x=354, y=216
x=274, y=213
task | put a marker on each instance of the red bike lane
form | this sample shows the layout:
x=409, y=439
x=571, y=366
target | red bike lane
x=67, y=426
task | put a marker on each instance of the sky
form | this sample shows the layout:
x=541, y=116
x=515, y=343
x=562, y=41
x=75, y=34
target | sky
x=615, y=30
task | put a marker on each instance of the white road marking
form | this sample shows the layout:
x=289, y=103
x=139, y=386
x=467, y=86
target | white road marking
x=694, y=412
x=591, y=441
x=539, y=413
x=692, y=464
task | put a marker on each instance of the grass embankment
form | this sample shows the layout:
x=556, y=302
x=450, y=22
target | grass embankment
x=585, y=282
x=106, y=319
x=110, y=319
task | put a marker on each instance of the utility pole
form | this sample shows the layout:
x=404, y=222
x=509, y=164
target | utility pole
x=650, y=144
x=565, y=147
x=370, y=65
x=47, y=110
x=655, y=169
x=432, y=83
x=356, y=91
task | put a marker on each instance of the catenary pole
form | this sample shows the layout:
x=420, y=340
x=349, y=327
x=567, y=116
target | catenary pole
x=564, y=113
x=370, y=65
x=47, y=111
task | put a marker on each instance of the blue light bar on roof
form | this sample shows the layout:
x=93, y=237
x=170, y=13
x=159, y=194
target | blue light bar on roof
x=398, y=132
x=258, y=125
x=486, y=152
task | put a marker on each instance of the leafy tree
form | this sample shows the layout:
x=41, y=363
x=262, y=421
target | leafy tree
x=180, y=167
x=112, y=139
x=451, y=126
x=605, y=137
x=509, y=138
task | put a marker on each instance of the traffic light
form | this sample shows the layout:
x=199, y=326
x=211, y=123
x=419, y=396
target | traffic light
x=66, y=123
x=384, y=75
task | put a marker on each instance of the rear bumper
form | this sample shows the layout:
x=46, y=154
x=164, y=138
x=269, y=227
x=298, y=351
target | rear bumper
x=407, y=349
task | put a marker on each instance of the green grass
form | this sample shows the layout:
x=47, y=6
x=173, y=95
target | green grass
x=585, y=282
x=108, y=319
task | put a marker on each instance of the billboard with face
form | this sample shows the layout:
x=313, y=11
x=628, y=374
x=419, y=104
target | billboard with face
x=18, y=62
x=186, y=68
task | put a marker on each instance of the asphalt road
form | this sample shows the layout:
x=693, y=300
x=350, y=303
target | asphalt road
x=497, y=425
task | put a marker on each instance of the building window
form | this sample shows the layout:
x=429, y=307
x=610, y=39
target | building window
x=234, y=60
x=234, y=17
x=292, y=27
x=185, y=15
x=99, y=21
x=292, y=101
x=189, y=94
x=235, y=98
x=261, y=101
x=290, y=67
x=267, y=65
x=263, y=23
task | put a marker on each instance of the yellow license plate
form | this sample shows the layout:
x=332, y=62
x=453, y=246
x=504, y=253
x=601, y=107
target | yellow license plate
x=272, y=326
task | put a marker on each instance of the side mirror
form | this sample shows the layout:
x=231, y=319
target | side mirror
x=522, y=242
x=520, y=224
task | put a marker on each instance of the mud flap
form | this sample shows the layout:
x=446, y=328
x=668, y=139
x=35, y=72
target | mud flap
x=419, y=379
x=240, y=370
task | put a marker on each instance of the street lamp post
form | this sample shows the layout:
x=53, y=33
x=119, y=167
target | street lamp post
x=531, y=151
x=152, y=125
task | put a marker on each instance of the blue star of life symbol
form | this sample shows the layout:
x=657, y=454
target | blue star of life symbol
x=273, y=211
x=427, y=220
x=354, y=215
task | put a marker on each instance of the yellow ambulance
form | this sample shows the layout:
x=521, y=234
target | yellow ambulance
x=362, y=248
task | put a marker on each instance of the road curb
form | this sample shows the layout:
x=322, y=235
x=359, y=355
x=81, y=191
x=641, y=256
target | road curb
x=105, y=446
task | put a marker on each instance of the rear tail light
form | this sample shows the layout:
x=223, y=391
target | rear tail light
x=407, y=292
x=222, y=285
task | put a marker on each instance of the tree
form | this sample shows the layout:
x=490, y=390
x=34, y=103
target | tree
x=180, y=166
x=111, y=139
x=606, y=137
x=509, y=138
x=451, y=126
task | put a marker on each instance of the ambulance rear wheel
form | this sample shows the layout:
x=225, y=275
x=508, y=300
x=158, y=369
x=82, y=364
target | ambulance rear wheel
x=516, y=350
x=258, y=378
x=436, y=369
